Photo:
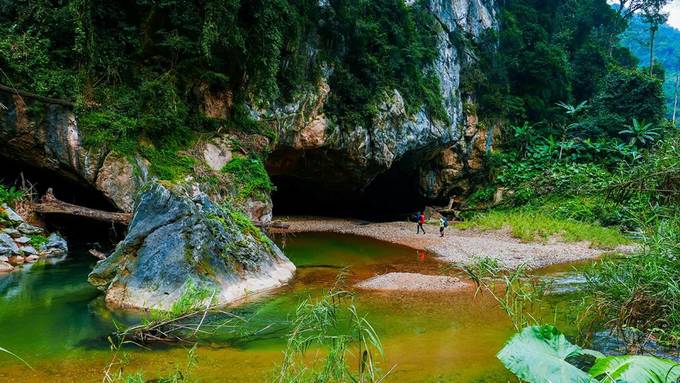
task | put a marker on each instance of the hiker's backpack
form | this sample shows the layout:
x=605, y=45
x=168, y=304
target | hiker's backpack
x=446, y=222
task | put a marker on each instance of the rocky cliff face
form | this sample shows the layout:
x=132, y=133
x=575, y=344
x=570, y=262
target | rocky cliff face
x=310, y=143
x=49, y=139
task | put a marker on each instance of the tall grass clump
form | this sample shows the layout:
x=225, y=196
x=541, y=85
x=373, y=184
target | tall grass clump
x=530, y=225
x=516, y=293
x=639, y=295
x=327, y=334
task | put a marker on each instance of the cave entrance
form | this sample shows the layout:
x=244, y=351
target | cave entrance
x=390, y=196
x=80, y=230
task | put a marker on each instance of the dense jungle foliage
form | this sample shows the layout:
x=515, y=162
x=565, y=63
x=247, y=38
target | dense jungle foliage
x=139, y=68
x=667, y=52
x=588, y=144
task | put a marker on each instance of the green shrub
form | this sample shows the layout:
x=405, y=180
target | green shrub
x=10, y=195
x=482, y=194
x=37, y=240
x=251, y=177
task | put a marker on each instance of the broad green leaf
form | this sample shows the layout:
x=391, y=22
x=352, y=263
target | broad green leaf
x=635, y=369
x=537, y=355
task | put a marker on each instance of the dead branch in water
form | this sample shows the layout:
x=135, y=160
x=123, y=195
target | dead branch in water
x=178, y=329
x=49, y=204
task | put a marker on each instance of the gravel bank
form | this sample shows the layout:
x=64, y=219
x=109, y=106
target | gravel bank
x=458, y=246
x=412, y=282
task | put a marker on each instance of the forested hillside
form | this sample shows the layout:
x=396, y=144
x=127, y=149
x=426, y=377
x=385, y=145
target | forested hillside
x=666, y=52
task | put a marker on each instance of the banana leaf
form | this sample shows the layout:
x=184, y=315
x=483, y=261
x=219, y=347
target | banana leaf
x=635, y=369
x=538, y=354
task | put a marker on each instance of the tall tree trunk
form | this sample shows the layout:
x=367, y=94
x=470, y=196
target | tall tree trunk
x=651, y=51
x=675, y=100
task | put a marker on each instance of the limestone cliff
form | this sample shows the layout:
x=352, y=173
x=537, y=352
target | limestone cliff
x=310, y=143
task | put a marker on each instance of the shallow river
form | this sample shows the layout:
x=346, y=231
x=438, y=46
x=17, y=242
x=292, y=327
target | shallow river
x=57, y=322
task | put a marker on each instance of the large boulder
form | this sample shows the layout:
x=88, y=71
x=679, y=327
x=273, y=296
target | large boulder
x=118, y=179
x=179, y=239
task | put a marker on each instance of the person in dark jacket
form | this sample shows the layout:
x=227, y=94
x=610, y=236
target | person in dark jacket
x=443, y=224
x=421, y=222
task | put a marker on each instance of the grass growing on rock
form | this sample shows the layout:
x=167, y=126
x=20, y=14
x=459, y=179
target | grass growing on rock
x=251, y=177
x=242, y=221
x=535, y=225
x=37, y=240
x=247, y=227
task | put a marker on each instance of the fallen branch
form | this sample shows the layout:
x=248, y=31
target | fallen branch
x=97, y=254
x=38, y=97
x=274, y=225
x=181, y=328
x=49, y=204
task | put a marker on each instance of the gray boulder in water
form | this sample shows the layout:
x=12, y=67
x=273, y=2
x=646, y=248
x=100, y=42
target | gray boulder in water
x=55, y=246
x=178, y=240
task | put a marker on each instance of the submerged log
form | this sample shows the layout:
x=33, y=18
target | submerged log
x=49, y=204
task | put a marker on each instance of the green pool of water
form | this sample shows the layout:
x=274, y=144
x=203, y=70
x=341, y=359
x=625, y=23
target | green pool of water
x=55, y=320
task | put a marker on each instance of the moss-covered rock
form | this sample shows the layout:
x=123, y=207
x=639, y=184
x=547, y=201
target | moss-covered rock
x=179, y=237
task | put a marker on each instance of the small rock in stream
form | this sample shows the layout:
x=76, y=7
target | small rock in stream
x=28, y=229
x=55, y=246
x=32, y=258
x=16, y=260
x=5, y=267
x=4, y=259
x=22, y=240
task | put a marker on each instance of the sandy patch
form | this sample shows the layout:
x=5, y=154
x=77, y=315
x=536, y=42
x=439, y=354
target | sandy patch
x=412, y=282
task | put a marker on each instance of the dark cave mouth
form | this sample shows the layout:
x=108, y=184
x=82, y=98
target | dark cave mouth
x=390, y=196
x=78, y=229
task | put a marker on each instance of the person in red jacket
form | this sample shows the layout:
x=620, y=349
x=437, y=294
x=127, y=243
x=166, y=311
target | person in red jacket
x=421, y=222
